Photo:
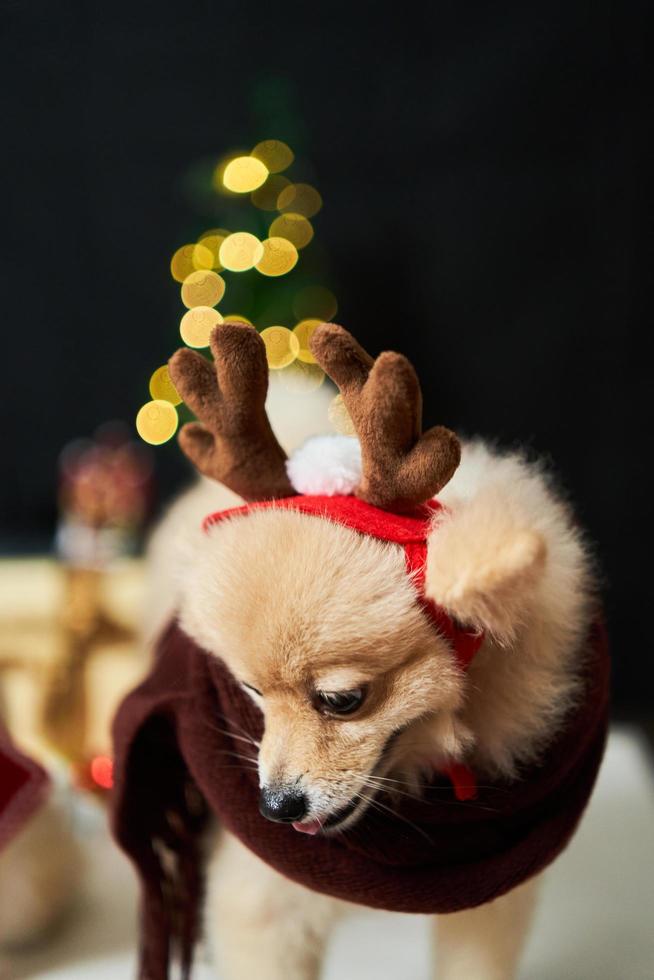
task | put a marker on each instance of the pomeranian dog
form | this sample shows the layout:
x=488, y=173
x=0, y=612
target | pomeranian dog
x=358, y=692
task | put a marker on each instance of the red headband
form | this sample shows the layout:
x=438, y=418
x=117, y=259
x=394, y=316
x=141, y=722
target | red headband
x=408, y=530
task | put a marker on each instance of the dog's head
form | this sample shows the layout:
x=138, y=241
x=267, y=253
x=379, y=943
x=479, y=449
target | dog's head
x=321, y=626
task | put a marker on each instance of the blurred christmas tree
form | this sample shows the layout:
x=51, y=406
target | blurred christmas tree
x=259, y=263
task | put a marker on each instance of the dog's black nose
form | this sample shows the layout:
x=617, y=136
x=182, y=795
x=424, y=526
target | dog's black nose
x=282, y=805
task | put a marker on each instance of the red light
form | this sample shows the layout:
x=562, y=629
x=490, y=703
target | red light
x=102, y=771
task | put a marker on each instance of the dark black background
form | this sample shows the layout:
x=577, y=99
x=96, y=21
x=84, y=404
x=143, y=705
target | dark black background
x=501, y=144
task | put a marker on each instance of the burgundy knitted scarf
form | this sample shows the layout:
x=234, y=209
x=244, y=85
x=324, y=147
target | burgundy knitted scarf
x=174, y=768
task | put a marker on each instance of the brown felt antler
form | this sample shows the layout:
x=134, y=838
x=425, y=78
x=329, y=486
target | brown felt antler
x=401, y=466
x=233, y=442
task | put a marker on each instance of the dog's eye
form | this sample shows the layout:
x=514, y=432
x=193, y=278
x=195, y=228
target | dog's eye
x=253, y=689
x=340, y=702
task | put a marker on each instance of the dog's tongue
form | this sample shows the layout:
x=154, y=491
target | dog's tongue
x=312, y=827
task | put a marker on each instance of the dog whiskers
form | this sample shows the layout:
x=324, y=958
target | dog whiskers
x=240, y=766
x=375, y=804
x=236, y=755
x=391, y=791
x=235, y=724
x=225, y=731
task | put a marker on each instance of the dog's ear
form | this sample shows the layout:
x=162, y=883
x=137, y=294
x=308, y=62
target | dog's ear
x=484, y=567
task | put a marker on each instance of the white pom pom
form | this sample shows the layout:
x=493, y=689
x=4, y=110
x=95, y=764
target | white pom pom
x=326, y=465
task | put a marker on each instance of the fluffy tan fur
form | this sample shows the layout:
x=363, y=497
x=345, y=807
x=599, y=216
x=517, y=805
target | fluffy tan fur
x=509, y=558
x=292, y=603
x=331, y=601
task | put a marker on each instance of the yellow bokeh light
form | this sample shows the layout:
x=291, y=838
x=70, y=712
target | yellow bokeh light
x=265, y=197
x=162, y=388
x=196, y=325
x=181, y=264
x=300, y=377
x=202, y=288
x=279, y=257
x=282, y=346
x=214, y=233
x=294, y=227
x=340, y=417
x=315, y=302
x=303, y=332
x=220, y=168
x=157, y=421
x=300, y=198
x=239, y=319
x=205, y=253
x=274, y=154
x=244, y=174
x=240, y=251
x=202, y=257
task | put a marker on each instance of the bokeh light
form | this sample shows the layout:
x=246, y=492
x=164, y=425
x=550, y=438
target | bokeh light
x=279, y=257
x=102, y=771
x=315, y=302
x=203, y=258
x=202, y=288
x=210, y=241
x=238, y=318
x=241, y=251
x=220, y=168
x=196, y=326
x=214, y=233
x=182, y=263
x=265, y=197
x=244, y=174
x=301, y=377
x=300, y=198
x=303, y=331
x=293, y=227
x=157, y=422
x=256, y=179
x=282, y=346
x=340, y=417
x=274, y=155
x=162, y=387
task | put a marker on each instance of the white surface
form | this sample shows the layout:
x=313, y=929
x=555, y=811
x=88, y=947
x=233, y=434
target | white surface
x=594, y=921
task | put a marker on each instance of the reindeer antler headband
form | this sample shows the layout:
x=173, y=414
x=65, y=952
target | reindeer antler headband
x=234, y=443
